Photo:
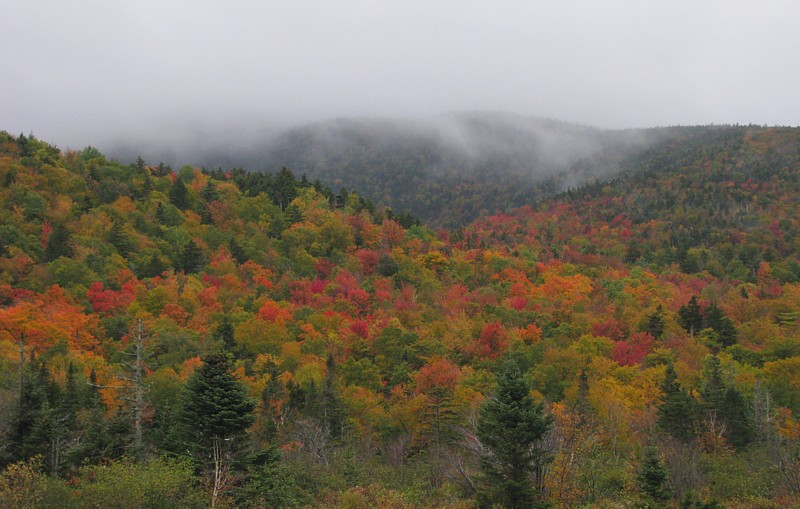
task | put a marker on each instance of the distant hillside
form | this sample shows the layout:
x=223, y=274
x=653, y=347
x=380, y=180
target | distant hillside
x=447, y=169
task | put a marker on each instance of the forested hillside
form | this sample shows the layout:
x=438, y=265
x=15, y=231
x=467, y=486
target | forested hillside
x=190, y=338
x=451, y=169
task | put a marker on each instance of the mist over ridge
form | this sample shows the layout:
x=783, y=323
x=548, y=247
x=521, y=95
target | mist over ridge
x=422, y=165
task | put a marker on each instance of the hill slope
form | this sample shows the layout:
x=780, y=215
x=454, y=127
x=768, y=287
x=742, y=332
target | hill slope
x=658, y=309
x=448, y=169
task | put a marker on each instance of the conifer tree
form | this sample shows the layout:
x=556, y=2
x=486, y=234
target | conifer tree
x=215, y=412
x=119, y=239
x=653, y=479
x=59, y=244
x=224, y=333
x=236, y=251
x=715, y=319
x=191, y=258
x=511, y=426
x=736, y=412
x=676, y=414
x=655, y=323
x=690, y=316
x=712, y=390
x=179, y=195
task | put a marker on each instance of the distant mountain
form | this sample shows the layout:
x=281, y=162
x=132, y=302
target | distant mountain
x=447, y=169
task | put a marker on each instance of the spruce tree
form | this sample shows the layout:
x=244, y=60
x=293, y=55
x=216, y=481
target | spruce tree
x=655, y=323
x=215, y=405
x=119, y=239
x=690, y=316
x=59, y=244
x=191, y=258
x=712, y=390
x=215, y=411
x=224, y=333
x=237, y=251
x=653, y=479
x=179, y=195
x=715, y=319
x=736, y=412
x=676, y=414
x=511, y=426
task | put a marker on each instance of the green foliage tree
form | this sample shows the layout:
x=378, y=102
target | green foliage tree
x=179, y=195
x=715, y=319
x=59, y=244
x=511, y=426
x=191, y=258
x=653, y=479
x=690, y=316
x=119, y=239
x=736, y=412
x=677, y=411
x=712, y=390
x=655, y=323
x=215, y=412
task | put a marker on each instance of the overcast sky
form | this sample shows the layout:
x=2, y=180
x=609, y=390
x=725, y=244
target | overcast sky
x=80, y=72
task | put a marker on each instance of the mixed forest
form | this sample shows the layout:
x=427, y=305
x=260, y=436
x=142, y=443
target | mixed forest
x=194, y=338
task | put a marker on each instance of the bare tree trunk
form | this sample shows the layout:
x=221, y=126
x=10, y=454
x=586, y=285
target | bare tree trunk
x=222, y=470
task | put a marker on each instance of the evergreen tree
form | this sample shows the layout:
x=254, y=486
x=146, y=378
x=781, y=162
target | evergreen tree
x=154, y=266
x=209, y=192
x=179, y=195
x=119, y=239
x=736, y=412
x=332, y=405
x=655, y=323
x=215, y=411
x=715, y=319
x=712, y=391
x=690, y=316
x=215, y=405
x=284, y=188
x=224, y=333
x=511, y=426
x=653, y=479
x=676, y=414
x=191, y=258
x=582, y=405
x=161, y=215
x=59, y=244
x=236, y=251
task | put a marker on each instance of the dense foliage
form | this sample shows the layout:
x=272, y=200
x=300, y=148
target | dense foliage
x=301, y=347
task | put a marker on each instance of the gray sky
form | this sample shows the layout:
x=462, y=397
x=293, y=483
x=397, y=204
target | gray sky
x=79, y=72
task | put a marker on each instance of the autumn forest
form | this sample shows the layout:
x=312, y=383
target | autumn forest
x=198, y=337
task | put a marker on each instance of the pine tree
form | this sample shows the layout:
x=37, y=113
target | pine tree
x=224, y=333
x=236, y=251
x=653, y=479
x=655, y=323
x=676, y=414
x=214, y=414
x=737, y=415
x=119, y=239
x=59, y=244
x=284, y=188
x=712, y=390
x=191, y=258
x=215, y=405
x=690, y=316
x=179, y=195
x=511, y=426
x=332, y=405
x=715, y=319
